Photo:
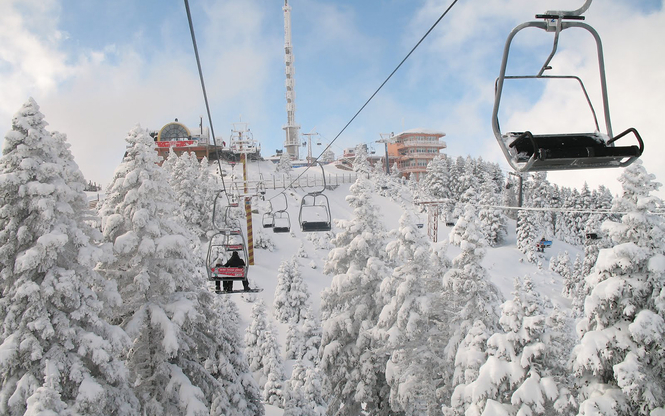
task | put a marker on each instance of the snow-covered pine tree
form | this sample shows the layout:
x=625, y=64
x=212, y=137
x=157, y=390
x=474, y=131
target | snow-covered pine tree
x=291, y=293
x=521, y=375
x=254, y=336
x=468, y=292
x=437, y=178
x=169, y=162
x=303, y=339
x=360, y=162
x=284, y=165
x=304, y=391
x=59, y=355
x=263, y=353
x=191, y=193
x=349, y=309
x=620, y=357
x=210, y=187
x=528, y=233
x=273, y=372
x=534, y=225
x=470, y=356
x=563, y=269
x=408, y=327
x=582, y=289
x=492, y=220
x=181, y=350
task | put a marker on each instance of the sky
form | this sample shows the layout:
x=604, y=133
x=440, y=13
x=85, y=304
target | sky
x=98, y=68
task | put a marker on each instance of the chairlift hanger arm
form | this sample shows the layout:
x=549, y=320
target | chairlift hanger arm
x=572, y=13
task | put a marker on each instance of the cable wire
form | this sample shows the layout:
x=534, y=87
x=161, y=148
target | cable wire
x=205, y=95
x=380, y=87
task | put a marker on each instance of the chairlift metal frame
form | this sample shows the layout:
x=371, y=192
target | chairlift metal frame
x=221, y=213
x=527, y=152
x=316, y=201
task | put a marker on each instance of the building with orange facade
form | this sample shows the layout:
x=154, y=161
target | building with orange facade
x=412, y=150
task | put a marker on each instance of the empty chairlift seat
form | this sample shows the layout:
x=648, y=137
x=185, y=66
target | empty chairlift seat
x=314, y=213
x=526, y=151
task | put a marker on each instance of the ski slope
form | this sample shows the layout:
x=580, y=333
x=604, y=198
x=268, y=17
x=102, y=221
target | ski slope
x=504, y=263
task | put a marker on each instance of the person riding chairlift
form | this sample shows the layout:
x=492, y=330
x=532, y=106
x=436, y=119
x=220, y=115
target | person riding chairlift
x=235, y=261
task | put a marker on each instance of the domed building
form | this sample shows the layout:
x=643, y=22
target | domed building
x=183, y=139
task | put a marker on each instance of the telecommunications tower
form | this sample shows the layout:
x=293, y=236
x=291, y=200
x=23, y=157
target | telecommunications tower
x=292, y=143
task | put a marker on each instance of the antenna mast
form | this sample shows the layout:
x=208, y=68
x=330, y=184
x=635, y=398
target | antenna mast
x=292, y=129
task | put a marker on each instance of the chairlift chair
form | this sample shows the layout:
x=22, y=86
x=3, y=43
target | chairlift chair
x=261, y=187
x=281, y=220
x=221, y=212
x=219, y=246
x=315, y=210
x=222, y=215
x=268, y=220
x=234, y=196
x=527, y=152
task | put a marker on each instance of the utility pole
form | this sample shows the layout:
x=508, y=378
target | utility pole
x=310, y=159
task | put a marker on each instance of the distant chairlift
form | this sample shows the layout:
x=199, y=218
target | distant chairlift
x=315, y=210
x=234, y=196
x=261, y=187
x=222, y=215
x=268, y=220
x=527, y=152
x=281, y=219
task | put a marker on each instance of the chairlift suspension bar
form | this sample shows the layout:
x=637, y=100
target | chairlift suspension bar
x=248, y=211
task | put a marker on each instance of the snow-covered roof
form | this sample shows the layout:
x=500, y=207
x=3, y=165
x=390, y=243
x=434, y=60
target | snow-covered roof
x=422, y=130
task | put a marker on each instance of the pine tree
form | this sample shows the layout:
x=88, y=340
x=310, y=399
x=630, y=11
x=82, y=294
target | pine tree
x=407, y=326
x=263, y=353
x=360, y=162
x=59, y=352
x=469, y=294
x=254, y=336
x=492, y=220
x=521, y=374
x=284, y=165
x=273, y=372
x=291, y=294
x=620, y=357
x=349, y=309
x=181, y=342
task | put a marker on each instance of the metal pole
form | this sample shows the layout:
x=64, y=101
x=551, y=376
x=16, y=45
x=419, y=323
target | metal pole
x=248, y=212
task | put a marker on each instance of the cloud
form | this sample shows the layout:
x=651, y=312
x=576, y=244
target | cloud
x=30, y=63
x=97, y=96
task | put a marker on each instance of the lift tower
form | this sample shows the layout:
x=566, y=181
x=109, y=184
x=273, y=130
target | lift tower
x=292, y=143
